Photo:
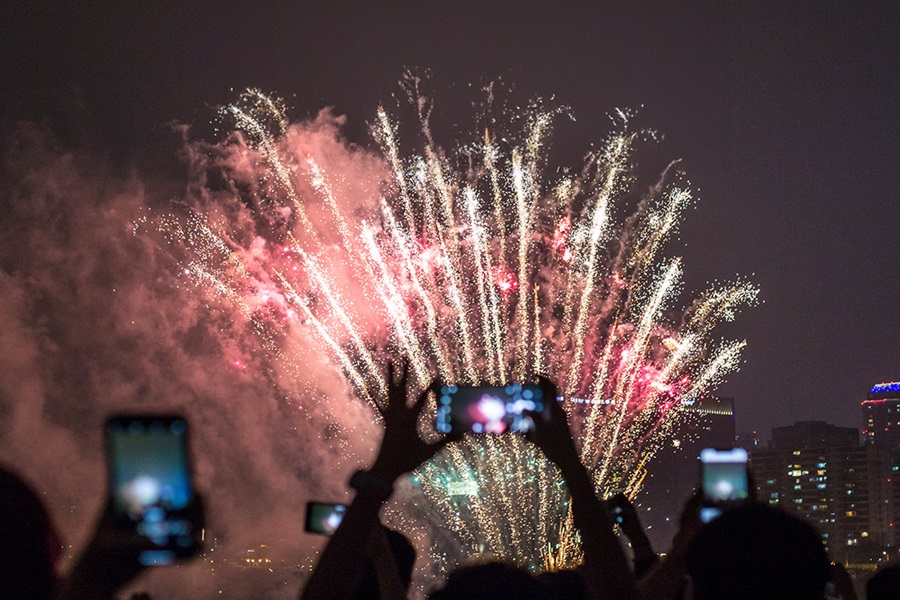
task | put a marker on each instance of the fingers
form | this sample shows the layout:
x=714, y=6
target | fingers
x=402, y=365
x=420, y=401
x=548, y=386
x=554, y=411
x=538, y=418
x=397, y=387
x=535, y=417
x=404, y=373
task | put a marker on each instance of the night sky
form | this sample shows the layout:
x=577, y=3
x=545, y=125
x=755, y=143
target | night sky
x=784, y=115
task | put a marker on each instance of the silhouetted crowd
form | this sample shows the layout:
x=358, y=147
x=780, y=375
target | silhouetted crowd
x=752, y=551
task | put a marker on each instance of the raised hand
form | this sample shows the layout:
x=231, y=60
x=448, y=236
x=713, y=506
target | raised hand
x=402, y=450
x=551, y=429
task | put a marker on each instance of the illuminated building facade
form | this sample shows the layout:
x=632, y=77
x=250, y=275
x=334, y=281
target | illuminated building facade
x=881, y=415
x=822, y=473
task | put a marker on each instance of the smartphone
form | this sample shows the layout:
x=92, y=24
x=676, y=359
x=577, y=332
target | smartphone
x=323, y=518
x=723, y=479
x=488, y=409
x=150, y=485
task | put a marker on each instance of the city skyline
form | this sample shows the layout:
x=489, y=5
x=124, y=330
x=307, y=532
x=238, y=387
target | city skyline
x=876, y=394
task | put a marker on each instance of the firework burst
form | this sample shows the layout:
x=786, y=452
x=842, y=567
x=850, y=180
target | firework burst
x=480, y=273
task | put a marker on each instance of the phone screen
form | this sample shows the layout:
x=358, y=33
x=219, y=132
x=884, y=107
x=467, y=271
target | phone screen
x=723, y=480
x=324, y=518
x=488, y=409
x=150, y=483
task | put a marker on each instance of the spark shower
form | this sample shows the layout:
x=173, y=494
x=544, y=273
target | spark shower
x=476, y=268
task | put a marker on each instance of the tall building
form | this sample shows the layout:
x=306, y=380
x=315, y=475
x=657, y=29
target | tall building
x=822, y=473
x=813, y=434
x=674, y=472
x=881, y=415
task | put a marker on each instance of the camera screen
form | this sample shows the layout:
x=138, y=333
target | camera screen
x=150, y=480
x=488, y=409
x=724, y=475
x=324, y=518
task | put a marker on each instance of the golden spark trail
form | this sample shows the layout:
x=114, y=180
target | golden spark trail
x=635, y=357
x=267, y=145
x=491, y=155
x=479, y=252
x=437, y=347
x=523, y=211
x=599, y=221
x=326, y=287
x=386, y=135
x=346, y=363
x=393, y=301
x=321, y=185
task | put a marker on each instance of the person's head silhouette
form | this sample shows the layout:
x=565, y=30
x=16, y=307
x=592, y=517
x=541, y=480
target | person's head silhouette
x=757, y=551
x=29, y=545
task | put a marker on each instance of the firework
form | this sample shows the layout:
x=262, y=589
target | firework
x=480, y=273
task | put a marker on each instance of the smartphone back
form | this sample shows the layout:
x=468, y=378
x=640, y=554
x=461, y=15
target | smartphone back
x=150, y=483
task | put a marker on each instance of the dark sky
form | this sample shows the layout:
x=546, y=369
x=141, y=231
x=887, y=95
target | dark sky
x=784, y=113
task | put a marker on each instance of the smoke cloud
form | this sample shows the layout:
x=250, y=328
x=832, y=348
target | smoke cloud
x=96, y=318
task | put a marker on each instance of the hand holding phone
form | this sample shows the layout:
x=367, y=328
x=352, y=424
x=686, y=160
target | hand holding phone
x=150, y=486
x=724, y=480
x=323, y=518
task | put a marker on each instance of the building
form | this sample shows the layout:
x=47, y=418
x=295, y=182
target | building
x=813, y=434
x=881, y=415
x=824, y=474
x=674, y=472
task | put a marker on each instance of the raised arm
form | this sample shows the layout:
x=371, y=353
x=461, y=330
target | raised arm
x=341, y=567
x=665, y=580
x=111, y=559
x=606, y=570
x=390, y=587
x=643, y=556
